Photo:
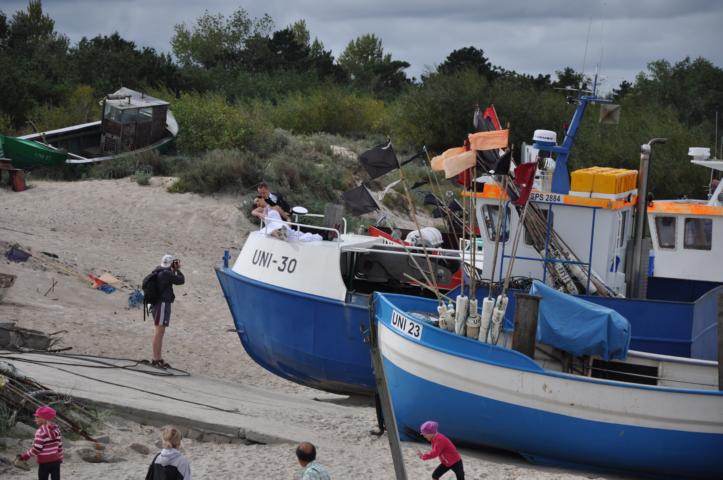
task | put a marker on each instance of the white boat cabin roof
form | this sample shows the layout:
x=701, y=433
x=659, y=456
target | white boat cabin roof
x=126, y=98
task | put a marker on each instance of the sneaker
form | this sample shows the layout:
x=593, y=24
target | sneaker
x=160, y=364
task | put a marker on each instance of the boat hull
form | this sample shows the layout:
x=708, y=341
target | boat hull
x=310, y=340
x=490, y=396
x=78, y=139
x=26, y=154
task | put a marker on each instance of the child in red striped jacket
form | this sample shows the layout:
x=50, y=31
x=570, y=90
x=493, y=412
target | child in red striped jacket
x=47, y=446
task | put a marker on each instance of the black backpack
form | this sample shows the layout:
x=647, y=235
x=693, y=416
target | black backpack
x=160, y=472
x=151, y=292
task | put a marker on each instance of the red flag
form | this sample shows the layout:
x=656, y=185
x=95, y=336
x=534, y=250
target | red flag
x=465, y=178
x=491, y=113
x=524, y=177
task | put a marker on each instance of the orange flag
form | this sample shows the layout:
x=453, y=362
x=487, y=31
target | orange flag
x=459, y=163
x=438, y=161
x=489, y=140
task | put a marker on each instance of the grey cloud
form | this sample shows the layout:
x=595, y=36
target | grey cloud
x=531, y=37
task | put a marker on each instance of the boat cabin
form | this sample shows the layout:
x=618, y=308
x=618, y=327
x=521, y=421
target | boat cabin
x=131, y=120
x=687, y=235
x=596, y=231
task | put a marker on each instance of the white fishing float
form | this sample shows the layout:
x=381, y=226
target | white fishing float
x=488, y=304
x=460, y=315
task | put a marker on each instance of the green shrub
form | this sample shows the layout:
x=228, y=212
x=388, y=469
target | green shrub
x=81, y=106
x=142, y=177
x=220, y=170
x=209, y=122
x=329, y=109
x=149, y=161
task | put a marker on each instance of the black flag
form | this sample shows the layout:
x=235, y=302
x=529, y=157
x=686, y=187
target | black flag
x=359, y=201
x=492, y=161
x=379, y=160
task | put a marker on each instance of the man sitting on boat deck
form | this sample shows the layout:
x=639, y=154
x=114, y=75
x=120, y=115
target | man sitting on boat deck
x=274, y=199
x=276, y=226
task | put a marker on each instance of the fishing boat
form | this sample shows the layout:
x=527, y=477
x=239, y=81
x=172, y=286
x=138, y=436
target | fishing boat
x=305, y=325
x=640, y=413
x=300, y=308
x=131, y=123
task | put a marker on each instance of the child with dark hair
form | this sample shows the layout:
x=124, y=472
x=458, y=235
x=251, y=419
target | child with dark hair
x=443, y=448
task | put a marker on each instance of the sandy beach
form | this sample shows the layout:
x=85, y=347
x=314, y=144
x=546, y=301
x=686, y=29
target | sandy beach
x=120, y=227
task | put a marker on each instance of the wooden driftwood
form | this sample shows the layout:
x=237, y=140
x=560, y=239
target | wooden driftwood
x=21, y=395
x=17, y=338
x=6, y=281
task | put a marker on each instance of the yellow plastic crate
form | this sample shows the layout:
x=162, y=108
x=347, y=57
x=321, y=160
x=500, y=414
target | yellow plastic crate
x=605, y=180
x=581, y=180
x=614, y=181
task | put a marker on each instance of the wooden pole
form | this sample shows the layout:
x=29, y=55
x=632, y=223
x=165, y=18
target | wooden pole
x=390, y=421
x=720, y=341
x=525, y=332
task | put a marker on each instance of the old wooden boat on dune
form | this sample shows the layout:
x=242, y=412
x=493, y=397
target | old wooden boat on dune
x=131, y=123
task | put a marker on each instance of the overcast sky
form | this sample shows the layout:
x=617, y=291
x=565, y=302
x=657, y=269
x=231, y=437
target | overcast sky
x=533, y=36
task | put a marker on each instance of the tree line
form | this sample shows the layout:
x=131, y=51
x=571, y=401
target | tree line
x=267, y=77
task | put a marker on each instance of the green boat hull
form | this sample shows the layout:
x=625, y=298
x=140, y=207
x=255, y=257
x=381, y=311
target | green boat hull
x=27, y=154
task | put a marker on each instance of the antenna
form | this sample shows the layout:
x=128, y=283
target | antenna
x=602, y=42
x=584, y=58
x=716, y=133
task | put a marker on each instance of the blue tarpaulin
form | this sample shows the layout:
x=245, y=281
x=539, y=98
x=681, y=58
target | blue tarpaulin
x=580, y=327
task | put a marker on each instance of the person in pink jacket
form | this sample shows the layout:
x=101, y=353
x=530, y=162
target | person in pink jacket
x=47, y=446
x=443, y=448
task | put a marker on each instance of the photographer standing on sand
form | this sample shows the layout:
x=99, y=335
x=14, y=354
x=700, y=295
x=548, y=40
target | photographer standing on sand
x=160, y=282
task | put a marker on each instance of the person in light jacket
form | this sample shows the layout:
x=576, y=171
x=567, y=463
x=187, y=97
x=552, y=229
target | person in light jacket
x=169, y=463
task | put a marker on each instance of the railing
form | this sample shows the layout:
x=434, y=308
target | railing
x=545, y=257
x=434, y=253
x=299, y=225
x=389, y=246
x=315, y=215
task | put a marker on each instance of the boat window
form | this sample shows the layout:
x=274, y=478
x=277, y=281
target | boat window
x=490, y=213
x=698, y=233
x=665, y=228
x=529, y=237
x=112, y=113
x=130, y=115
x=623, y=221
x=145, y=114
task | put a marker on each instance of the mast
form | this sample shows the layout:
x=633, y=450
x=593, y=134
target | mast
x=641, y=212
x=561, y=176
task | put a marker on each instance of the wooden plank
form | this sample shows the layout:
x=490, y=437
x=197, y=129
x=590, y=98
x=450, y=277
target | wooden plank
x=720, y=341
x=525, y=330
x=386, y=400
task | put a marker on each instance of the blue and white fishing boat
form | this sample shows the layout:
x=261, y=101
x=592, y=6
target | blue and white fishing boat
x=300, y=307
x=664, y=420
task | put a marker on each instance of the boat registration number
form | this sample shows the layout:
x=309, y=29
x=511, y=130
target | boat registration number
x=281, y=263
x=545, y=197
x=407, y=326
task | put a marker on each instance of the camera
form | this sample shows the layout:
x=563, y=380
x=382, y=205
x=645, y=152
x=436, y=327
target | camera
x=175, y=264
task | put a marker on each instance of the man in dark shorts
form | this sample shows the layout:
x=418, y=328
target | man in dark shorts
x=169, y=274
